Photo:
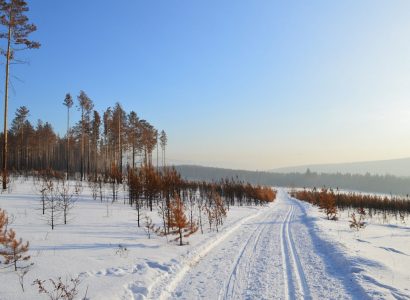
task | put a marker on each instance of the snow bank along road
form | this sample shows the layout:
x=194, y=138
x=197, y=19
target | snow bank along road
x=272, y=256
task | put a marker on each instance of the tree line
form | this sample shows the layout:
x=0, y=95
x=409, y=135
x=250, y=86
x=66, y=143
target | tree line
x=96, y=144
x=386, y=184
x=329, y=201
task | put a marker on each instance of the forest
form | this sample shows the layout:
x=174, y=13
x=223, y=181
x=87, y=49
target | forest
x=96, y=144
x=385, y=184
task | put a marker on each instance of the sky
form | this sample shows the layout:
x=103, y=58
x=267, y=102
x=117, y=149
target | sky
x=235, y=83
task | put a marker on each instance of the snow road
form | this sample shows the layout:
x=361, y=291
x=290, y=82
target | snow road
x=272, y=256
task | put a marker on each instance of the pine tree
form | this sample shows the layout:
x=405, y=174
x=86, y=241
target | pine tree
x=86, y=106
x=149, y=140
x=134, y=135
x=135, y=190
x=68, y=102
x=17, y=128
x=3, y=226
x=163, y=141
x=119, y=124
x=14, y=251
x=95, y=134
x=18, y=29
x=179, y=220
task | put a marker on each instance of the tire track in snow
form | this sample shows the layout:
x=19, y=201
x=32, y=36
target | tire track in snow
x=264, y=260
x=230, y=286
x=291, y=262
x=272, y=257
x=287, y=276
x=167, y=287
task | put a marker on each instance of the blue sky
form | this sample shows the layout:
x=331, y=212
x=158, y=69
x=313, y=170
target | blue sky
x=242, y=84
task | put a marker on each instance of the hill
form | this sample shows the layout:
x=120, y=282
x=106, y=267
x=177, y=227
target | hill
x=386, y=184
x=396, y=167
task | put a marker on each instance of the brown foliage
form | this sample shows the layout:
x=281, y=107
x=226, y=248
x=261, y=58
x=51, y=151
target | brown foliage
x=58, y=289
x=179, y=221
x=373, y=203
x=14, y=249
x=327, y=204
x=3, y=226
x=216, y=211
x=357, y=223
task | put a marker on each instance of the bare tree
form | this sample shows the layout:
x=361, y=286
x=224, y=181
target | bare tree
x=65, y=197
x=52, y=206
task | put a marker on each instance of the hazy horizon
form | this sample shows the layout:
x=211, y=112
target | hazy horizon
x=238, y=84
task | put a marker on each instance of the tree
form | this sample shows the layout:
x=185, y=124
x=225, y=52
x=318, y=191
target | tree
x=52, y=205
x=17, y=128
x=148, y=226
x=3, y=226
x=151, y=184
x=149, y=141
x=12, y=16
x=170, y=185
x=14, y=250
x=95, y=135
x=135, y=191
x=163, y=141
x=86, y=106
x=68, y=102
x=134, y=135
x=328, y=204
x=65, y=197
x=119, y=119
x=179, y=221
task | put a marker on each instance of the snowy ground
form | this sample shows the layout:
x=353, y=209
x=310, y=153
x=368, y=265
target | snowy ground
x=273, y=256
x=89, y=246
x=378, y=256
x=286, y=250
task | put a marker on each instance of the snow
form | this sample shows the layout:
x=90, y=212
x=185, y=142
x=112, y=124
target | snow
x=271, y=257
x=286, y=250
x=89, y=246
x=378, y=255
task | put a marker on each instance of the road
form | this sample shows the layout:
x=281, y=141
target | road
x=276, y=255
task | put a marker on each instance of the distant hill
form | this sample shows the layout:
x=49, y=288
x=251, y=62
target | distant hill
x=396, y=167
x=386, y=184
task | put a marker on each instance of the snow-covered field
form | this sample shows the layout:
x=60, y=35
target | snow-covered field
x=378, y=256
x=286, y=250
x=89, y=246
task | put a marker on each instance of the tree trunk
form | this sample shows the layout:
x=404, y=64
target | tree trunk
x=82, y=145
x=6, y=90
x=68, y=140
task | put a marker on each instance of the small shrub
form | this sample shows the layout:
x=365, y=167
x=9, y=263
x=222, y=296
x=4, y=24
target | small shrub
x=57, y=289
x=357, y=223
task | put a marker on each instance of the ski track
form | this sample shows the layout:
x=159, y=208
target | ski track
x=289, y=250
x=271, y=256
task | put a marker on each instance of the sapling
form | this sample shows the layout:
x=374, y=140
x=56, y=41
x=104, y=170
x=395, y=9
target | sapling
x=148, y=226
x=66, y=197
x=358, y=223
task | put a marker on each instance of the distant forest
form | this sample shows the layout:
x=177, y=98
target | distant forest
x=386, y=184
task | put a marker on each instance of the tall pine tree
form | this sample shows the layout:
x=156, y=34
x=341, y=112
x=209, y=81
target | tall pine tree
x=13, y=18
